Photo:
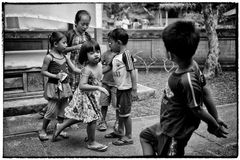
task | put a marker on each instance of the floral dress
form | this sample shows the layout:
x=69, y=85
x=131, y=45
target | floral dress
x=84, y=105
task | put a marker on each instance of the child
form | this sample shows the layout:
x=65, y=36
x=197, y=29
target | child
x=125, y=79
x=75, y=39
x=57, y=90
x=84, y=105
x=183, y=97
x=109, y=84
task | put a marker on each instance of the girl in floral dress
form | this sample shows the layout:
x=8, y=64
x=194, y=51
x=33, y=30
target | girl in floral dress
x=84, y=106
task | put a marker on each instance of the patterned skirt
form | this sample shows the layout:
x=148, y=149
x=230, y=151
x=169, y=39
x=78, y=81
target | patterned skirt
x=84, y=106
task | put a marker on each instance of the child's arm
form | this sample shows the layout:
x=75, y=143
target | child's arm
x=128, y=61
x=208, y=101
x=134, y=84
x=71, y=65
x=106, y=68
x=213, y=126
x=83, y=83
x=45, y=65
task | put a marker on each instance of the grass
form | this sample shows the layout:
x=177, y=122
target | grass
x=223, y=89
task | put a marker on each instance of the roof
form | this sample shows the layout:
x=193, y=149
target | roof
x=230, y=13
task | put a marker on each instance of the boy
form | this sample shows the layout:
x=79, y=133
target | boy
x=183, y=97
x=109, y=84
x=125, y=80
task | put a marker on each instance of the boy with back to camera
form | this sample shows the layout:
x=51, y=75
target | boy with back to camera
x=183, y=98
x=125, y=80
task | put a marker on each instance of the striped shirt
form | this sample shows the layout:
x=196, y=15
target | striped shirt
x=122, y=64
x=182, y=93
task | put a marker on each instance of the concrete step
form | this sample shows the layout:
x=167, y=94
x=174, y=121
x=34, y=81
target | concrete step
x=34, y=105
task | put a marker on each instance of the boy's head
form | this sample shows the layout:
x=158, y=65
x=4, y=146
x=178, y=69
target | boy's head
x=181, y=39
x=117, y=38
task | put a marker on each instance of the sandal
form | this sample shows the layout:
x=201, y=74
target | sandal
x=102, y=126
x=122, y=142
x=112, y=135
x=42, y=136
x=99, y=148
x=64, y=134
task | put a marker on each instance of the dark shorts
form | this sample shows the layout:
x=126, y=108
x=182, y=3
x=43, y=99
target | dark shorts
x=161, y=142
x=124, y=102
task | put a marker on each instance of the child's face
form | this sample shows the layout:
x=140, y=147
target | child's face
x=83, y=24
x=113, y=45
x=94, y=57
x=62, y=44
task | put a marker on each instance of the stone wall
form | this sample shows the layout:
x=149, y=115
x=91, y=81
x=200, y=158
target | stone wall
x=150, y=43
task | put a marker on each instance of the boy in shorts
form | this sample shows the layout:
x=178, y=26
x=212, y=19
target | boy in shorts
x=125, y=80
x=183, y=97
x=109, y=84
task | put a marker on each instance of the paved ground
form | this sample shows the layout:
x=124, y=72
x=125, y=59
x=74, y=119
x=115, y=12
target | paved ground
x=21, y=139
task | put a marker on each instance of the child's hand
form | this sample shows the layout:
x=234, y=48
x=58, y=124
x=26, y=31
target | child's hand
x=134, y=95
x=219, y=132
x=103, y=90
x=61, y=76
x=221, y=123
x=78, y=47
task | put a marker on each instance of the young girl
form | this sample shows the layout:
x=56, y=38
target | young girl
x=84, y=106
x=75, y=39
x=57, y=90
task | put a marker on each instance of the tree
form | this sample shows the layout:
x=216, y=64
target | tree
x=212, y=14
x=212, y=67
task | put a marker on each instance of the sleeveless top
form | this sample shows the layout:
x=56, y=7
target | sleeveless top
x=55, y=68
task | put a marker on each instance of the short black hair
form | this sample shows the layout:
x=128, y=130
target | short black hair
x=119, y=34
x=88, y=46
x=181, y=38
x=79, y=15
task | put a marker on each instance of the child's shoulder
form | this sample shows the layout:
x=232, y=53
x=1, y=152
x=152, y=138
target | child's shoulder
x=49, y=56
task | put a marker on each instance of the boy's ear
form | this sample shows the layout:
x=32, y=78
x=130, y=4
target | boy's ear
x=119, y=42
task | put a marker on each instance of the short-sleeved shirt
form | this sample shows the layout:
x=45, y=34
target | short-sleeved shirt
x=123, y=63
x=182, y=93
x=106, y=59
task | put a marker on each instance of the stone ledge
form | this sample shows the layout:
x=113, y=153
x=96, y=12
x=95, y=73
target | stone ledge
x=33, y=105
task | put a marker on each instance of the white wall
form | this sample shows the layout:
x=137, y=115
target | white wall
x=64, y=12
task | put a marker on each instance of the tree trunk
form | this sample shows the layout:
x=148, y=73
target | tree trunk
x=212, y=67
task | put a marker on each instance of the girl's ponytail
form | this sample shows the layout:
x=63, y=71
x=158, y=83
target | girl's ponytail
x=49, y=36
